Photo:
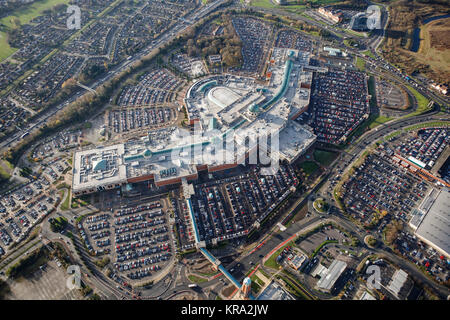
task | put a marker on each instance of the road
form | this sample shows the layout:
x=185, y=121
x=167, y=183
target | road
x=344, y=160
x=247, y=261
x=166, y=37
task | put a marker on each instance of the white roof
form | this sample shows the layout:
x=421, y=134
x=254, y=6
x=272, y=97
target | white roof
x=397, y=281
x=435, y=227
x=334, y=271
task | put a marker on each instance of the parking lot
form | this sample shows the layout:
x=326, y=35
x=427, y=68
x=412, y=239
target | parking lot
x=154, y=88
x=339, y=104
x=379, y=187
x=136, y=238
x=390, y=96
x=48, y=283
x=293, y=40
x=141, y=118
x=255, y=35
x=425, y=145
x=227, y=208
x=22, y=208
x=63, y=141
x=328, y=233
x=193, y=67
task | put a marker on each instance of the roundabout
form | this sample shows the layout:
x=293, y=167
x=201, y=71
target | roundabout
x=321, y=206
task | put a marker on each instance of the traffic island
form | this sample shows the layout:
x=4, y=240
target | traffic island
x=370, y=241
x=321, y=206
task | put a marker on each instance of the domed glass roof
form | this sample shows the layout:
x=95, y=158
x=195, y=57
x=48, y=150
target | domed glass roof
x=253, y=108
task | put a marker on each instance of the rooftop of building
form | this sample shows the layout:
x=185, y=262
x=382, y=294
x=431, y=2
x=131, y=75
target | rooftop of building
x=275, y=292
x=227, y=106
x=335, y=270
x=435, y=226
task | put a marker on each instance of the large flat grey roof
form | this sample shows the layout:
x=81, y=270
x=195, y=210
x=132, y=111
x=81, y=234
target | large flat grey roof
x=274, y=292
x=435, y=227
x=334, y=272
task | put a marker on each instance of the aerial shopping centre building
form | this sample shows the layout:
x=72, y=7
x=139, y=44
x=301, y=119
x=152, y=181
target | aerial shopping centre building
x=227, y=113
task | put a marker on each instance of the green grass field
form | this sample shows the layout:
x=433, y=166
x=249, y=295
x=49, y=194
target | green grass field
x=65, y=204
x=6, y=169
x=291, y=7
x=272, y=260
x=27, y=13
x=422, y=102
x=415, y=127
x=428, y=125
x=355, y=33
x=324, y=157
x=5, y=49
x=378, y=120
x=262, y=3
x=369, y=54
x=360, y=63
x=196, y=279
x=309, y=167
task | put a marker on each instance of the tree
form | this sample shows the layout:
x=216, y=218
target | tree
x=16, y=22
x=371, y=241
x=392, y=230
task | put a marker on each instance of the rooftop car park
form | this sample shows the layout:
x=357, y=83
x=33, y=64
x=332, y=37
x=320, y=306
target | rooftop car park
x=255, y=35
x=154, y=88
x=339, y=104
x=381, y=188
x=136, y=238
